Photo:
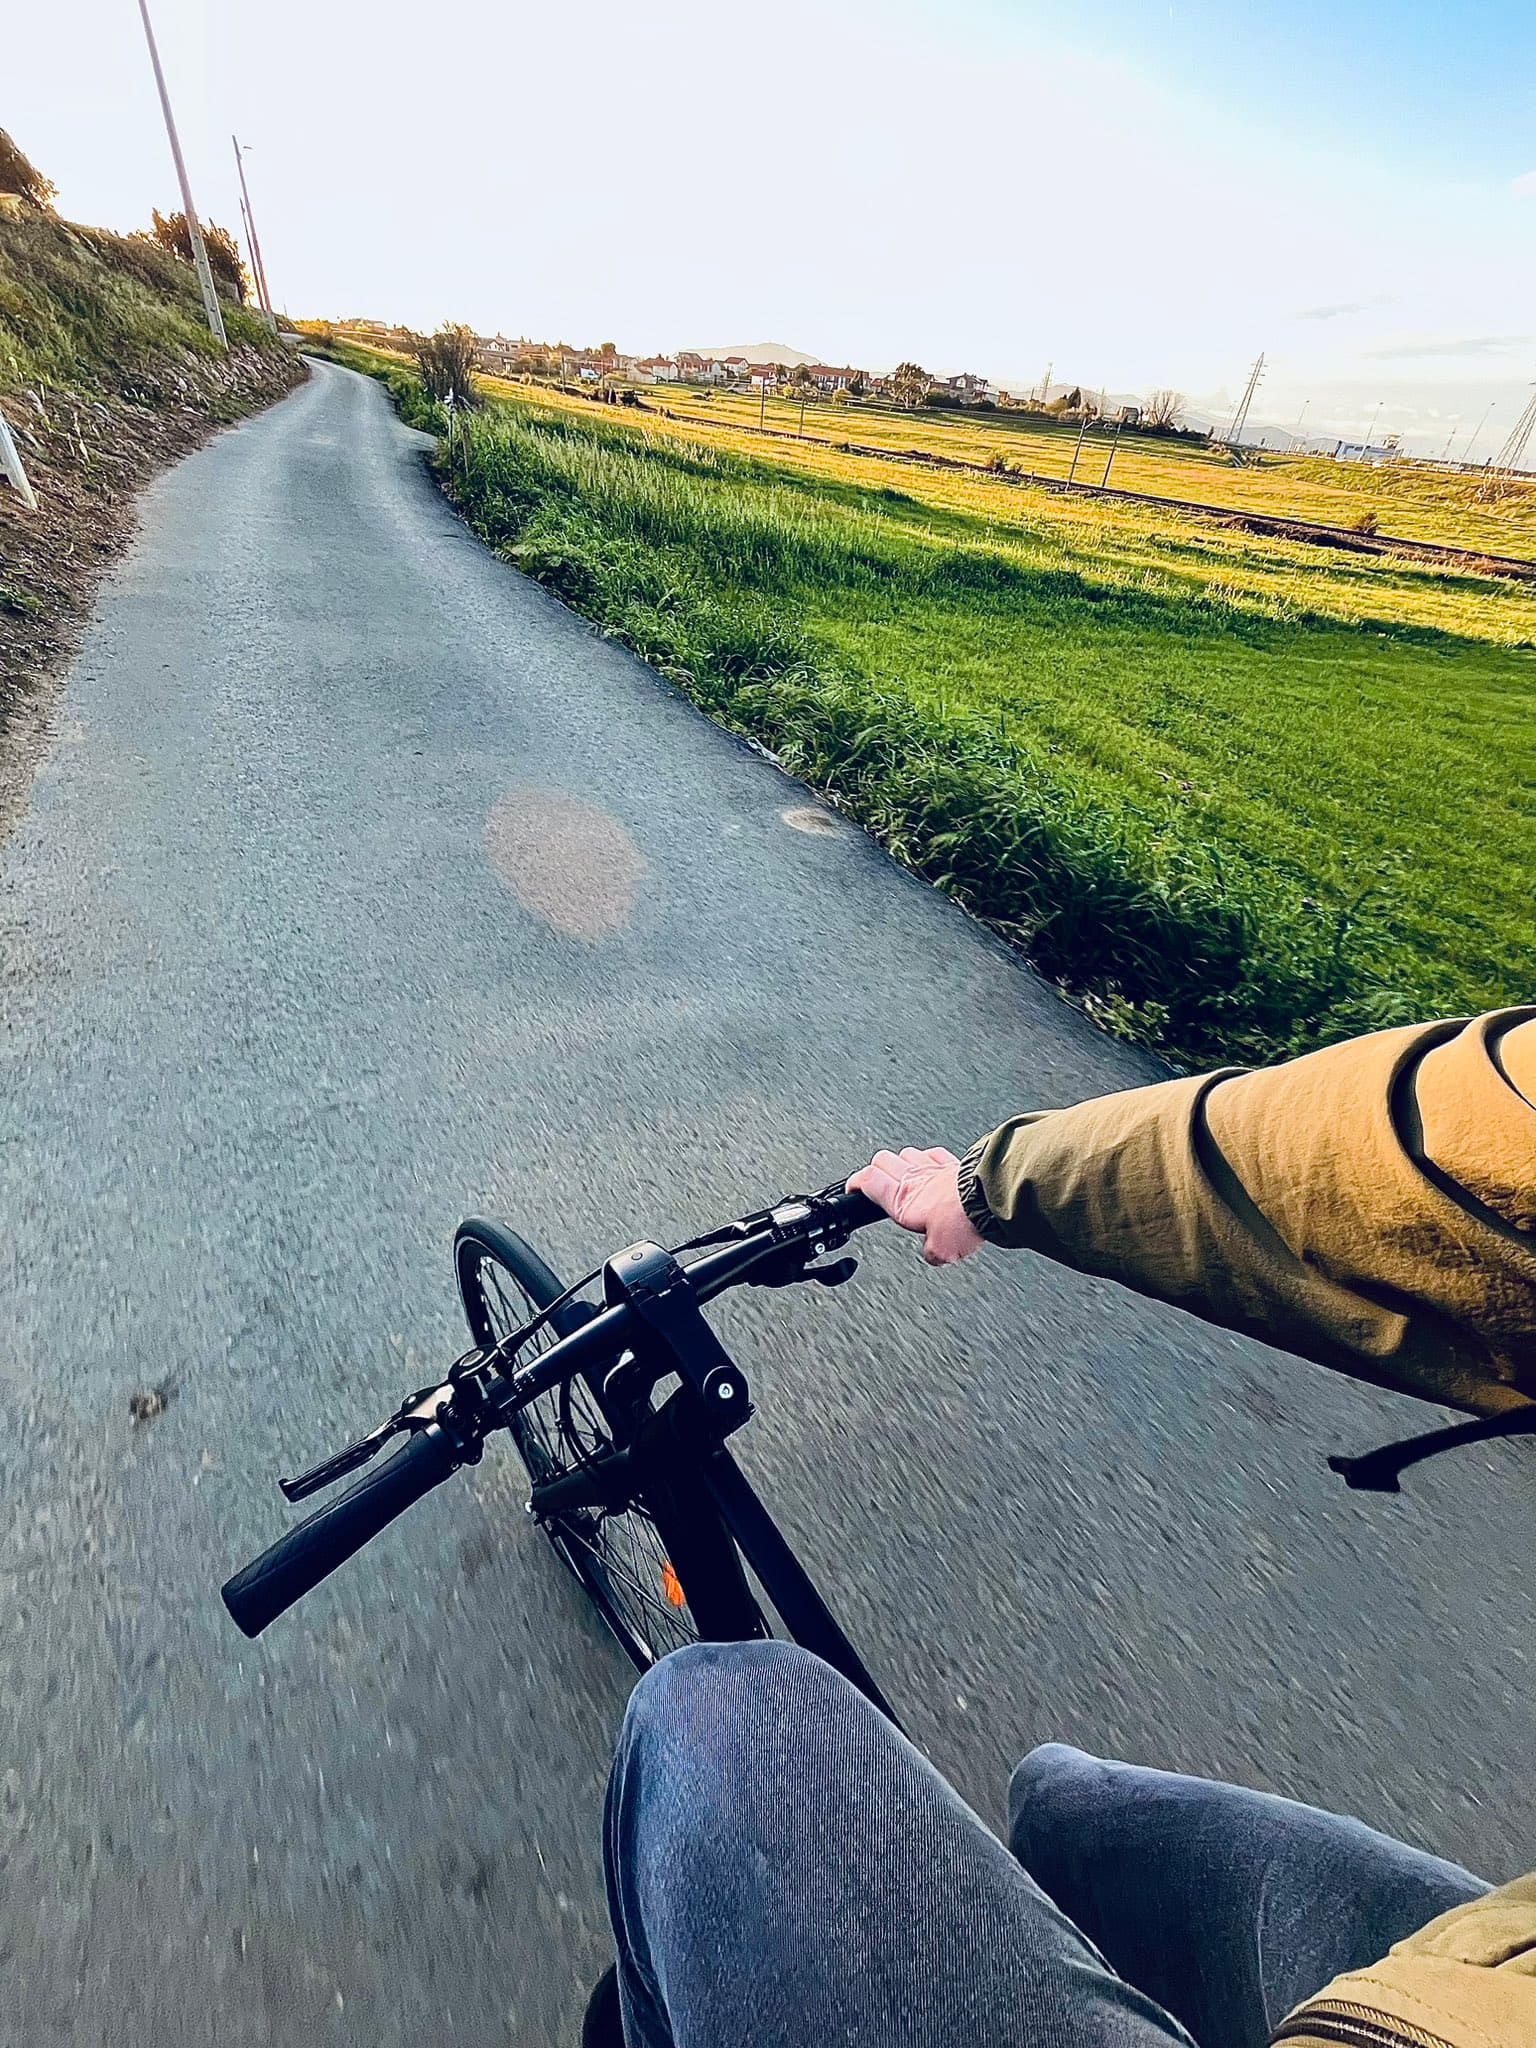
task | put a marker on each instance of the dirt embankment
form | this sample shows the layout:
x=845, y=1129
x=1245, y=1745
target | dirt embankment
x=87, y=459
x=106, y=376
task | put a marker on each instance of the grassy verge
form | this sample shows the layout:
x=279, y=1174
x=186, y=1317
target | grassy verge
x=1241, y=797
x=107, y=372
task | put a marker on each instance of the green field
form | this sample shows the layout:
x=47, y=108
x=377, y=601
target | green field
x=1241, y=794
x=1409, y=502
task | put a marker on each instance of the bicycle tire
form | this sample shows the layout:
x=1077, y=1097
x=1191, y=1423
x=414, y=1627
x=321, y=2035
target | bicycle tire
x=617, y=1559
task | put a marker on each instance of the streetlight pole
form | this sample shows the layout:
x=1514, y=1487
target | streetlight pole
x=1370, y=437
x=1296, y=430
x=259, y=269
x=189, y=211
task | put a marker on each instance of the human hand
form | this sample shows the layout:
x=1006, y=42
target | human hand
x=921, y=1192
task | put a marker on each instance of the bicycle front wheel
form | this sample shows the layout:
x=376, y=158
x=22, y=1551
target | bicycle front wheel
x=619, y=1559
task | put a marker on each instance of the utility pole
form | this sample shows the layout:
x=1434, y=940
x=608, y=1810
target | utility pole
x=194, y=231
x=1045, y=387
x=258, y=268
x=1082, y=429
x=1240, y=417
x=1370, y=437
x=804, y=389
x=1296, y=430
x=1110, y=463
x=762, y=401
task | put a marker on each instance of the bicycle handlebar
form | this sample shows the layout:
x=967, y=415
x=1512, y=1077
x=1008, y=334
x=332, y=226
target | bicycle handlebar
x=710, y=1275
x=296, y=1563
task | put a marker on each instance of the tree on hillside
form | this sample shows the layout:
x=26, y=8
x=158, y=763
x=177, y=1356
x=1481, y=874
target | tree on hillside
x=445, y=360
x=21, y=179
x=910, y=384
x=1163, y=408
x=224, y=258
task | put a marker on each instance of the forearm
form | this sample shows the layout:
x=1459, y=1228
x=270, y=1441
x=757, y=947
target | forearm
x=1372, y=1206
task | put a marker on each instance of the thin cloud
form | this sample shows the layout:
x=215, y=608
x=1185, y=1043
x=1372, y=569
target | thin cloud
x=1336, y=312
x=1427, y=347
x=1524, y=187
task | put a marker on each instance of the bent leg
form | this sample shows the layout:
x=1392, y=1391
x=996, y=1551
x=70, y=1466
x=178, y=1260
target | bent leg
x=1227, y=1906
x=784, y=1868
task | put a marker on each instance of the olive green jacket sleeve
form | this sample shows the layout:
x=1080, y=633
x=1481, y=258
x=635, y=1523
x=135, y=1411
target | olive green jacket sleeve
x=1371, y=1206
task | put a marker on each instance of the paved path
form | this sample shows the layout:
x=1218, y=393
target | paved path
x=364, y=886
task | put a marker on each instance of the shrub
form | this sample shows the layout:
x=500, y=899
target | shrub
x=444, y=363
x=21, y=178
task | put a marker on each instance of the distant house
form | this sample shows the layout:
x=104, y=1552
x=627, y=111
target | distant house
x=766, y=376
x=1367, y=451
x=967, y=387
x=651, y=369
x=1129, y=416
x=697, y=369
x=827, y=377
x=497, y=356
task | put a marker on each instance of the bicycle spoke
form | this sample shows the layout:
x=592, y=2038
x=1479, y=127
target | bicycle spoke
x=610, y=1566
x=626, y=1569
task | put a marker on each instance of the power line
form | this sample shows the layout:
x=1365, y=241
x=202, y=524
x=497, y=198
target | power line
x=1519, y=434
x=1466, y=453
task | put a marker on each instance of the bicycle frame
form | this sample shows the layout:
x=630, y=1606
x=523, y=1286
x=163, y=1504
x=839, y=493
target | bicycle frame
x=671, y=1461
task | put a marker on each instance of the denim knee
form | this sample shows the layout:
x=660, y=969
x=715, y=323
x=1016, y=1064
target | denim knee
x=730, y=1692
x=1053, y=1795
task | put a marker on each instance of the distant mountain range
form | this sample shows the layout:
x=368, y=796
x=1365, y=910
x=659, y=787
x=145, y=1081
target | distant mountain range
x=759, y=352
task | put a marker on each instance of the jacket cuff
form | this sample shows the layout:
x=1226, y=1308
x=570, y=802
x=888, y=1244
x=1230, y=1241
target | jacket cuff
x=973, y=1197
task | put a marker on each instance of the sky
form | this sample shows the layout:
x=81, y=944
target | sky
x=1137, y=194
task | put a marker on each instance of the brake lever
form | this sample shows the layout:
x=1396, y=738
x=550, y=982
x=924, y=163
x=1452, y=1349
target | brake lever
x=342, y=1462
x=836, y=1275
x=413, y=1413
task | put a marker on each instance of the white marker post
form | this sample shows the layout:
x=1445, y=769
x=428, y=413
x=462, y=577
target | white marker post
x=10, y=462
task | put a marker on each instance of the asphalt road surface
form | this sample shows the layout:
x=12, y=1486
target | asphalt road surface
x=365, y=887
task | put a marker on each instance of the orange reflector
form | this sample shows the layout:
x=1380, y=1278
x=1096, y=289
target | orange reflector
x=671, y=1584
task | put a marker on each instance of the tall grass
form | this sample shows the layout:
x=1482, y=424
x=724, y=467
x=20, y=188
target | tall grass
x=1239, y=795
x=106, y=315
x=697, y=559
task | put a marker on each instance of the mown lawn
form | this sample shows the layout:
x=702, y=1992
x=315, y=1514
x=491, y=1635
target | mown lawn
x=1243, y=795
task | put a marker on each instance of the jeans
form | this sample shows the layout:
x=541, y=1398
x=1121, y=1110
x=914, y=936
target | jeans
x=785, y=1871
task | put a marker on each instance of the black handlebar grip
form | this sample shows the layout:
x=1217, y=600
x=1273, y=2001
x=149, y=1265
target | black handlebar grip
x=297, y=1562
x=854, y=1210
